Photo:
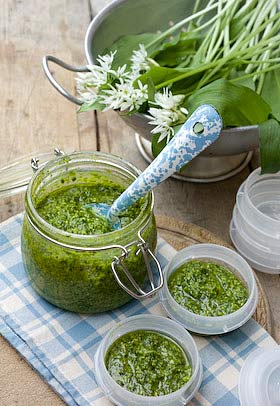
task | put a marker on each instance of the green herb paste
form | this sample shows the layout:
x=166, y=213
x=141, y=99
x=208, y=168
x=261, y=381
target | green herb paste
x=83, y=281
x=207, y=288
x=67, y=208
x=148, y=363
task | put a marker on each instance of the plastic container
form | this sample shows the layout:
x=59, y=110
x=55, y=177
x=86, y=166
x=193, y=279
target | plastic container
x=255, y=255
x=259, y=379
x=122, y=397
x=75, y=272
x=264, y=241
x=255, y=225
x=262, y=202
x=204, y=324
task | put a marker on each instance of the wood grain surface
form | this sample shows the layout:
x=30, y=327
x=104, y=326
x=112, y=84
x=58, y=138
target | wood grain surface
x=34, y=117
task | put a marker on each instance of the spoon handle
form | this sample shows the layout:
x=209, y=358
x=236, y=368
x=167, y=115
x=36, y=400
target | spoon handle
x=184, y=146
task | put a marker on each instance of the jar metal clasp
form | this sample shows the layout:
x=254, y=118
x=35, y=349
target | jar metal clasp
x=35, y=161
x=155, y=277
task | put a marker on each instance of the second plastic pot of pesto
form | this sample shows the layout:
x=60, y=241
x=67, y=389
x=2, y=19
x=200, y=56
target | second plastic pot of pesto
x=148, y=360
x=224, y=271
x=84, y=271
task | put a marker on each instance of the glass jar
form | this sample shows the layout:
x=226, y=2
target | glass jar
x=88, y=273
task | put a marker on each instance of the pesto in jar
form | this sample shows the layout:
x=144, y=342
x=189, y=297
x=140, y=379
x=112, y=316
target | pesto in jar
x=83, y=281
x=68, y=210
x=148, y=363
x=207, y=288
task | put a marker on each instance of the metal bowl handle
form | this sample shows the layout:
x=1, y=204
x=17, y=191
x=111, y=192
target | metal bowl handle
x=56, y=85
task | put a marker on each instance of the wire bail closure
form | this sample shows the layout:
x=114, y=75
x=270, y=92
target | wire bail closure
x=139, y=293
x=35, y=161
x=143, y=248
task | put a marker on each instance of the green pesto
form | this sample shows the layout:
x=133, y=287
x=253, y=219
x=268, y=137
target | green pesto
x=148, y=363
x=80, y=281
x=67, y=208
x=207, y=288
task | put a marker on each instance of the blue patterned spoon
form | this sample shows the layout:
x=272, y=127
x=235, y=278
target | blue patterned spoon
x=197, y=133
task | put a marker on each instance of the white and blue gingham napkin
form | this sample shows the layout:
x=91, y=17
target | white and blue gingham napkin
x=60, y=345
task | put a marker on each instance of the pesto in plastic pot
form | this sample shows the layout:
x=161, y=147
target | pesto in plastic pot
x=73, y=258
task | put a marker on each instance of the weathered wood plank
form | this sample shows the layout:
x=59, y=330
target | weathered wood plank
x=97, y=6
x=34, y=117
x=271, y=285
x=20, y=384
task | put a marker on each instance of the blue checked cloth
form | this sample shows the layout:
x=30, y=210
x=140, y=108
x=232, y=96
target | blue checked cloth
x=60, y=345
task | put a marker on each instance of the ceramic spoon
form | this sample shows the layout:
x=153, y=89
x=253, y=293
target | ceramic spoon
x=197, y=133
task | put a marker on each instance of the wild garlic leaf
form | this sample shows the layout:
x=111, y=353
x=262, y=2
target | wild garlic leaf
x=237, y=105
x=159, y=74
x=126, y=45
x=270, y=146
x=271, y=91
x=177, y=51
x=91, y=106
x=157, y=147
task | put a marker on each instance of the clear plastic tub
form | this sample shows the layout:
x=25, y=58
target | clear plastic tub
x=272, y=244
x=263, y=247
x=259, y=379
x=203, y=324
x=261, y=202
x=255, y=225
x=122, y=397
x=254, y=257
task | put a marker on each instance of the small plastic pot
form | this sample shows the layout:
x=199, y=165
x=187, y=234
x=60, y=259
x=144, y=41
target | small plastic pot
x=122, y=397
x=208, y=325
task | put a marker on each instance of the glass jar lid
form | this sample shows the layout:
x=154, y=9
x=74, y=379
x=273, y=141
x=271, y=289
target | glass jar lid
x=16, y=175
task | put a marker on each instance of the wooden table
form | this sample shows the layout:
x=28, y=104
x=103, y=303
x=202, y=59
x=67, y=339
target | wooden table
x=34, y=117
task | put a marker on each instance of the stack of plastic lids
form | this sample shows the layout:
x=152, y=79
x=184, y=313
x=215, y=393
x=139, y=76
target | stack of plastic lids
x=255, y=225
x=259, y=379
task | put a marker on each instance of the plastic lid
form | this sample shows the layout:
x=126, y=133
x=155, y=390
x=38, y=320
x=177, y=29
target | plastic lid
x=255, y=225
x=259, y=379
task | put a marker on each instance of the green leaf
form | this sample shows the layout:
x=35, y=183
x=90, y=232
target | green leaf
x=178, y=50
x=126, y=45
x=92, y=106
x=157, y=147
x=237, y=105
x=247, y=82
x=242, y=81
x=270, y=146
x=159, y=74
x=271, y=91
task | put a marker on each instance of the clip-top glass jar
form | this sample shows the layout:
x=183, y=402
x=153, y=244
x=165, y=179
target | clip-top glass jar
x=88, y=273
